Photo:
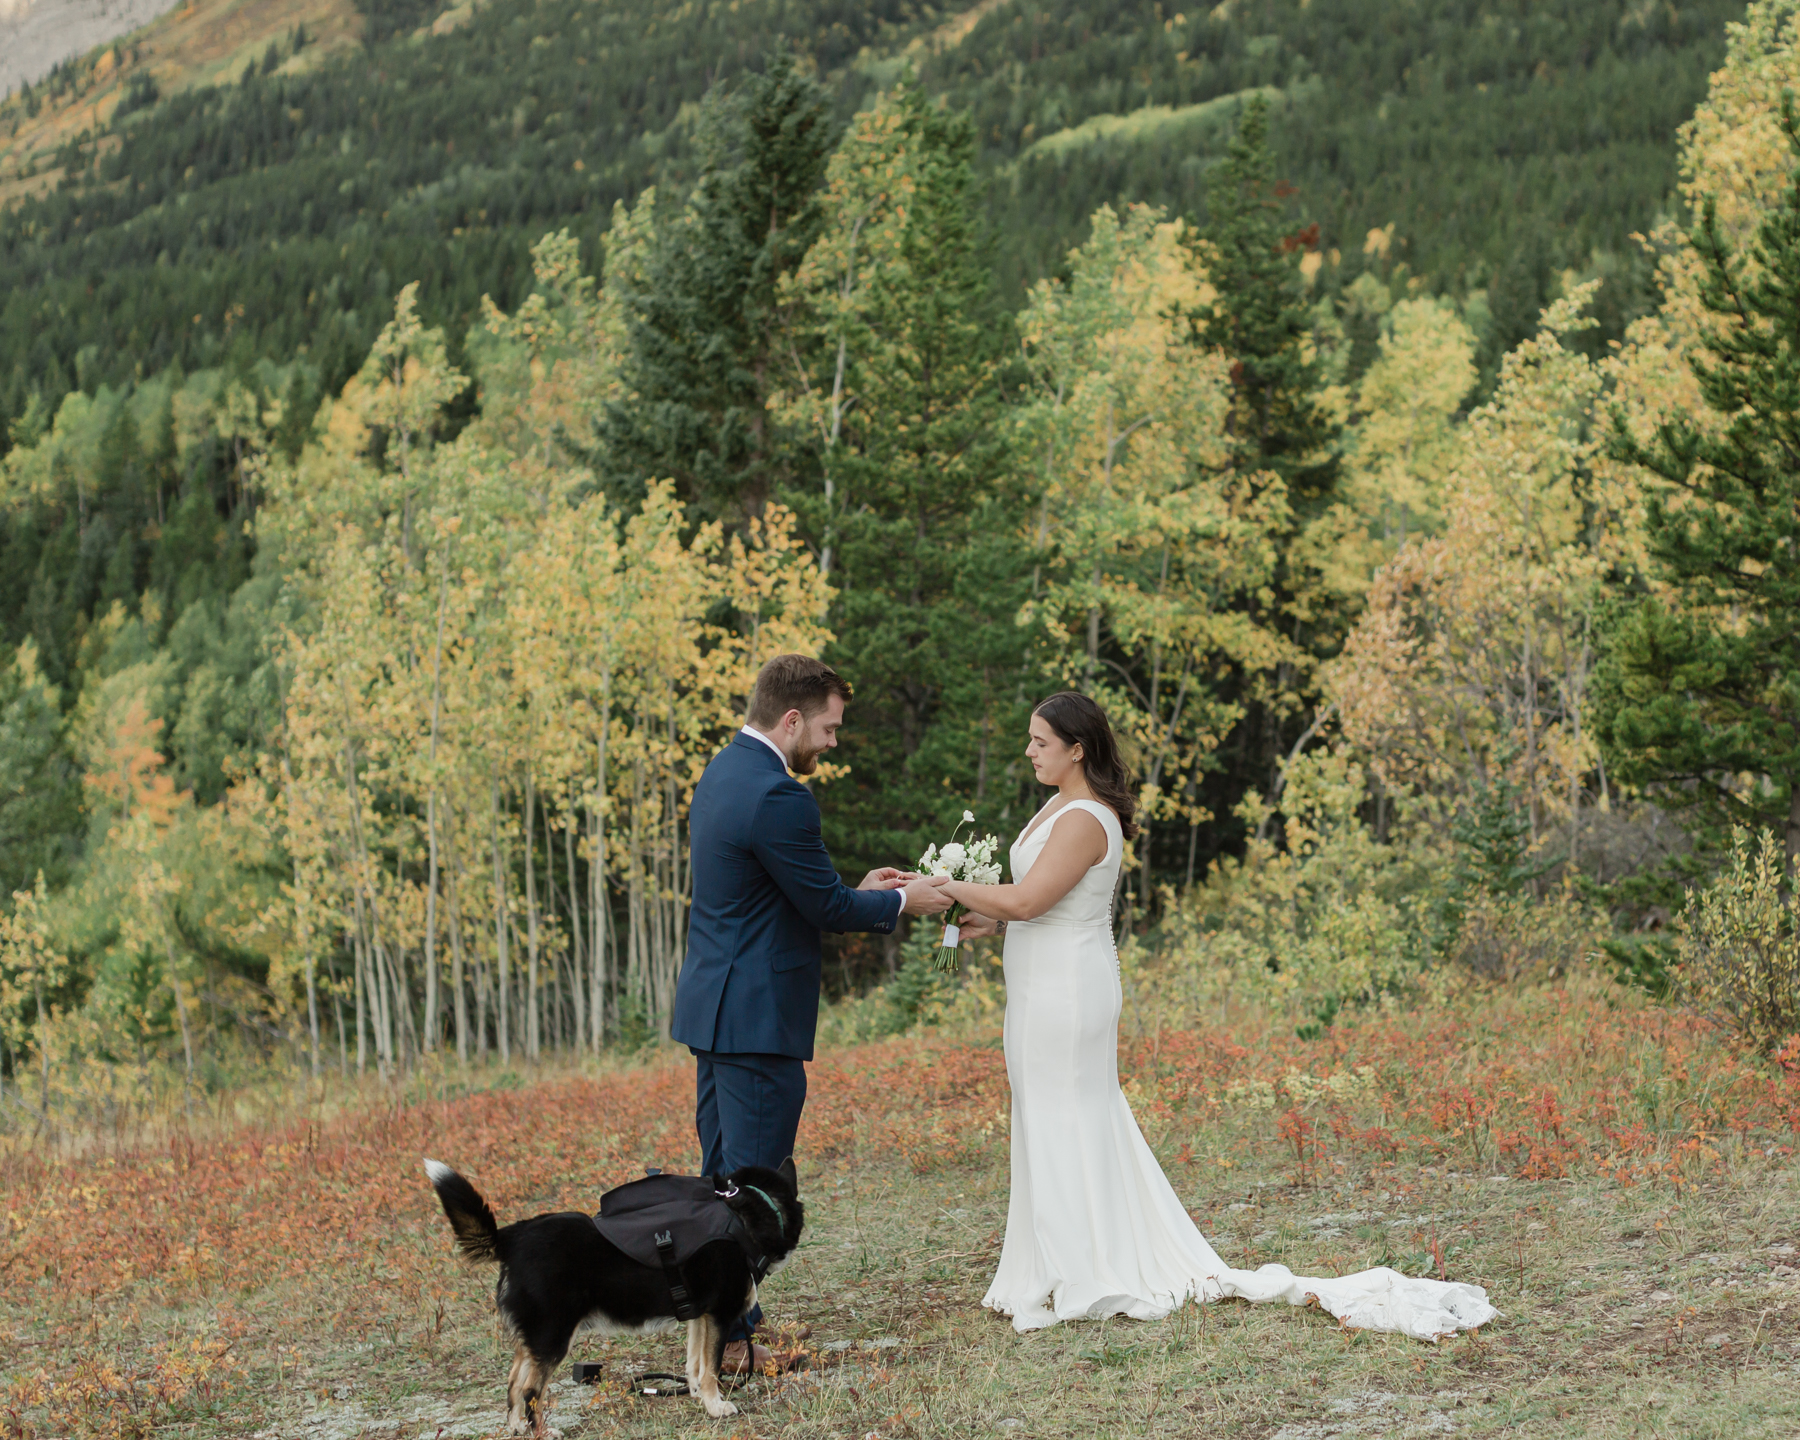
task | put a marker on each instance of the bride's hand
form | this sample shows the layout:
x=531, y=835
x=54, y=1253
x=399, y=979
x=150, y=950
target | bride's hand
x=974, y=927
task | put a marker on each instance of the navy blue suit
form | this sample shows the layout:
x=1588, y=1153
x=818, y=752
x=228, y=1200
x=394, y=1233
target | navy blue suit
x=747, y=1003
x=764, y=888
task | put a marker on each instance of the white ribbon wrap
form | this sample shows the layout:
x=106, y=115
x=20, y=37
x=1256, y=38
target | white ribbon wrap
x=952, y=935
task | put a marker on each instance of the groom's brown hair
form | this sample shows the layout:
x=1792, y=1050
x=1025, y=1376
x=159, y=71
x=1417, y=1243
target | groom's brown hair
x=794, y=682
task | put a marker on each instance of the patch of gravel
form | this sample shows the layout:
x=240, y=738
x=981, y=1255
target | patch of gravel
x=348, y=1418
x=1374, y=1412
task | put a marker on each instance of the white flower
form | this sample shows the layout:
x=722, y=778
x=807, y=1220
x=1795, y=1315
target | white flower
x=973, y=862
x=969, y=815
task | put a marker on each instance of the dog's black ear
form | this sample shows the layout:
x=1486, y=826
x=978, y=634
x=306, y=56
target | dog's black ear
x=787, y=1172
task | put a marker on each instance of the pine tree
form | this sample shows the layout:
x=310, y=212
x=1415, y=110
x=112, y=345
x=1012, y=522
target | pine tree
x=1258, y=317
x=704, y=332
x=1492, y=832
x=299, y=403
x=1700, y=699
x=924, y=520
x=40, y=789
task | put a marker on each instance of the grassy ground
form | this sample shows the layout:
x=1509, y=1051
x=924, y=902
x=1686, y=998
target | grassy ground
x=302, y=1285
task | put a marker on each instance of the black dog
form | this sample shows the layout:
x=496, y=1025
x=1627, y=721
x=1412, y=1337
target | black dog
x=559, y=1275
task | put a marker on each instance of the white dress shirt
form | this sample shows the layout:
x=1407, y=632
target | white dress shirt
x=758, y=735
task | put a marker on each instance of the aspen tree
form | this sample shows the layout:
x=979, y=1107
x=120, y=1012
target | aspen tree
x=32, y=972
x=1148, y=541
x=1474, y=659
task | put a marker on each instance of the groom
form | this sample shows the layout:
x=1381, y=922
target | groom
x=747, y=1003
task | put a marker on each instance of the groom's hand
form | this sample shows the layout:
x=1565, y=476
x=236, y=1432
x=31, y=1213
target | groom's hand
x=885, y=878
x=925, y=896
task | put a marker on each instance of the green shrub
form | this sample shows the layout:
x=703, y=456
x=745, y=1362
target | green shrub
x=1738, y=945
x=1521, y=937
x=1332, y=918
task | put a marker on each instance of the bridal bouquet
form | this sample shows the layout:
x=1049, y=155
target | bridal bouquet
x=973, y=864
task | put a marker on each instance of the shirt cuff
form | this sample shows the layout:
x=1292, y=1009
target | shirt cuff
x=901, y=892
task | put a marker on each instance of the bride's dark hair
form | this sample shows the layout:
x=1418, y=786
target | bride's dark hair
x=1077, y=720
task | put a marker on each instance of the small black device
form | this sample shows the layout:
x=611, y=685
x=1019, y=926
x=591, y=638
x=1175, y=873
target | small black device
x=587, y=1372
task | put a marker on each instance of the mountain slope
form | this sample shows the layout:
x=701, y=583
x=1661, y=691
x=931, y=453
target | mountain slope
x=285, y=210
x=1489, y=134
x=202, y=42
x=280, y=212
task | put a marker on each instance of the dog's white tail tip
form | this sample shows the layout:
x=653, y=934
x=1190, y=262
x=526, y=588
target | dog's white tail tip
x=437, y=1171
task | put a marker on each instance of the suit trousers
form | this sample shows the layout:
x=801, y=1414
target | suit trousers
x=747, y=1112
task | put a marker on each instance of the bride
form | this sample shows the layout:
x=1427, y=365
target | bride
x=1093, y=1227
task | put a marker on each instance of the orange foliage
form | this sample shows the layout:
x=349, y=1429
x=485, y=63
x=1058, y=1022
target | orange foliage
x=1584, y=1086
x=132, y=779
x=98, y=1398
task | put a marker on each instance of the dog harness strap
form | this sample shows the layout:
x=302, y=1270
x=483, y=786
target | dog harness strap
x=678, y=1294
x=759, y=1262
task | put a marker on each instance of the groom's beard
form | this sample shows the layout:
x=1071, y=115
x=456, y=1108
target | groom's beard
x=805, y=761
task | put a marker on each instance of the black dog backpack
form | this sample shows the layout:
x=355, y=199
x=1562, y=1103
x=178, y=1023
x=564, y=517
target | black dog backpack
x=662, y=1220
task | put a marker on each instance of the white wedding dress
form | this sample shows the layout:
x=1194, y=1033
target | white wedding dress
x=1093, y=1227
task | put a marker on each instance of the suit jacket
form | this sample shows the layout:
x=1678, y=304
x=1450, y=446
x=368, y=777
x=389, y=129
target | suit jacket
x=764, y=887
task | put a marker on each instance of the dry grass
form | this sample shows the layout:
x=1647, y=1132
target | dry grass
x=301, y=1283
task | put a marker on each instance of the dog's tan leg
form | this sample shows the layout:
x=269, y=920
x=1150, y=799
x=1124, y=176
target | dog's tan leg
x=538, y=1388
x=525, y=1396
x=518, y=1413
x=706, y=1331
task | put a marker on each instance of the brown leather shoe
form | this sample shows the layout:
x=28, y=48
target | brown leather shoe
x=737, y=1362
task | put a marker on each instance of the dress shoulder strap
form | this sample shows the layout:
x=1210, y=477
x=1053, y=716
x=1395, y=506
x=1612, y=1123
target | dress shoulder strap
x=1109, y=822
